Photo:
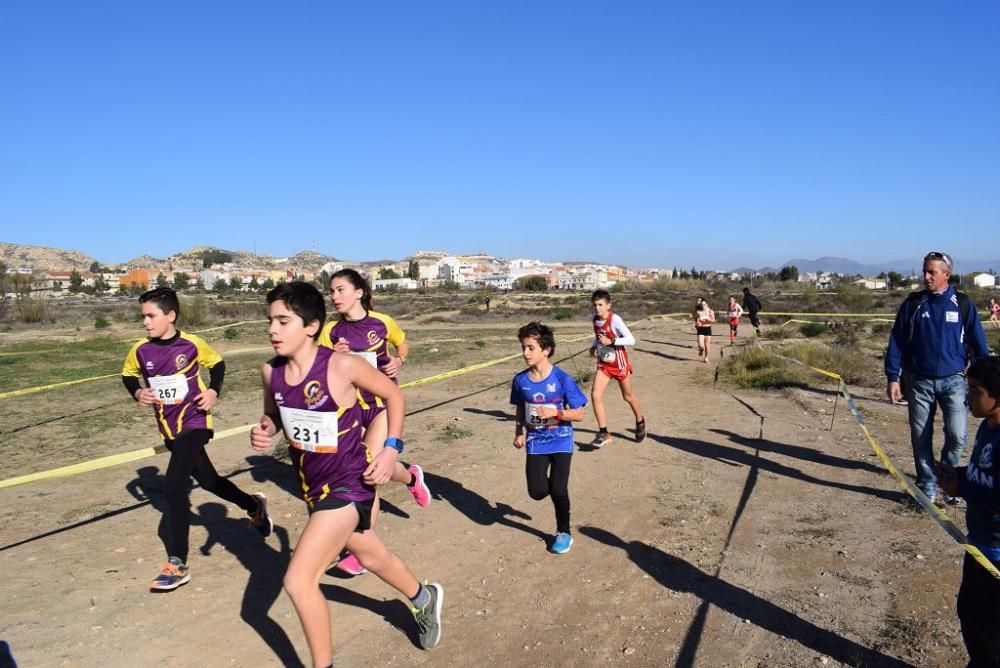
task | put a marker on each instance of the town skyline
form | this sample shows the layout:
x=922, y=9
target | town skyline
x=827, y=263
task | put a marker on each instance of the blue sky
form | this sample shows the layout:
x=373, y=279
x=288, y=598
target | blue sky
x=647, y=133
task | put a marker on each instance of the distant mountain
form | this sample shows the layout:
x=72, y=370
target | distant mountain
x=837, y=265
x=840, y=265
x=43, y=258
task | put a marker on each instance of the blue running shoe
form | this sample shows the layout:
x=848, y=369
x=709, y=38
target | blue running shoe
x=561, y=543
x=172, y=575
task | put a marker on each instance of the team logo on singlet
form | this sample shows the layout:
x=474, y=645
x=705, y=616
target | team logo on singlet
x=314, y=394
x=372, y=337
x=538, y=398
x=986, y=457
x=181, y=361
x=149, y=365
x=278, y=398
x=551, y=387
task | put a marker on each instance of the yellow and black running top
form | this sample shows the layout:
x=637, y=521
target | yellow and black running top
x=171, y=367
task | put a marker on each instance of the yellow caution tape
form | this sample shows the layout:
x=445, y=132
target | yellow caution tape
x=43, y=388
x=142, y=453
x=904, y=482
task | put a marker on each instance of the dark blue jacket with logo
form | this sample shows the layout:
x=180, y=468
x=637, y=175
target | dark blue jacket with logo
x=979, y=485
x=929, y=337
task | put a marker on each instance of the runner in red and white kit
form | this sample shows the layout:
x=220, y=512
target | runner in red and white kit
x=734, y=313
x=611, y=335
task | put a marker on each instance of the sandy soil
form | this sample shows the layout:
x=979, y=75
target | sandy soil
x=742, y=532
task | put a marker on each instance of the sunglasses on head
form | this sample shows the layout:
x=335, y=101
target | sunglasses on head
x=938, y=255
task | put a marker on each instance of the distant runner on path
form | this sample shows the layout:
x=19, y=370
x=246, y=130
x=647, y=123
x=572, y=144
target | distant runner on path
x=752, y=306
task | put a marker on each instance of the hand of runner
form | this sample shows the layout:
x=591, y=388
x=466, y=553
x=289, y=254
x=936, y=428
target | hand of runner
x=605, y=341
x=341, y=346
x=380, y=469
x=519, y=441
x=546, y=412
x=392, y=367
x=206, y=400
x=146, y=397
x=947, y=478
x=260, y=435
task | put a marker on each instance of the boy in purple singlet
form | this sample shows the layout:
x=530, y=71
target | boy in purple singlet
x=310, y=393
x=168, y=361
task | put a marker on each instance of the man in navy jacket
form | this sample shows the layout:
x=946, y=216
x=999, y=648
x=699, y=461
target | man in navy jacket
x=929, y=351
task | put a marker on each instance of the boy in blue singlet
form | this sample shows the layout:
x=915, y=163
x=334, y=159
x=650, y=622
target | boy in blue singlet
x=547, y=400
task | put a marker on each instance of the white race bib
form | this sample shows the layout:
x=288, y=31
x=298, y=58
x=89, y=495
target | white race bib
x=536, y=421
x=951, y=316
x=605, y=353
x=371, y=358
x=312, y=431
x=169, y=390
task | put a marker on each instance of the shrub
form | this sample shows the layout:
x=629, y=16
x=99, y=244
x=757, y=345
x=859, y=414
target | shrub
x=231, y=334
x=194, y=313
x=855, y=367
x=811, y=329
x=563, y=313
x=583, y=376
x=755, y=369
x=101, y=323
x=453, y=432
x=30, y=309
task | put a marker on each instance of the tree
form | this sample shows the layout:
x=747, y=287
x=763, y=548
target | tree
x=413, y=270
x=220, y=286
x=75, y=281
x=212, y=256
x=95, y=268
x=4, y=289
x=323, y=281
x=235, y=284
x=199, y=284
x=161, y=280
x=181, y=281
x=789, y=273
x=532, y=284
x=122, y=289
x=100, y=285
x=387, y=273
x=253, y=285
x=896, y=280
x=268, y=284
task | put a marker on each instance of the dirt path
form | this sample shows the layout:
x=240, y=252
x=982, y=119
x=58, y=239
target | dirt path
x=703, y=546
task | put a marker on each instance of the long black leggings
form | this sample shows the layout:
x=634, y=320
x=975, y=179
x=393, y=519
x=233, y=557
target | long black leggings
x=548, y=475
x=188, y=459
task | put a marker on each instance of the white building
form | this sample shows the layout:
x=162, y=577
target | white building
x=398, y=283
x=984, y=280
x=497, y=281
x=871, y=283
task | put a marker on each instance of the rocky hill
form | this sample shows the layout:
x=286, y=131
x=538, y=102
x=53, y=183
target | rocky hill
x=43, y=258
x=193, y=258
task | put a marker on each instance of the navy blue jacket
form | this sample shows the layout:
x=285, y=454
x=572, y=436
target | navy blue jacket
x=978, y=485
x=929, y=339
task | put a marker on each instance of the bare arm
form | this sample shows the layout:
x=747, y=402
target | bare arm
x=270, y=421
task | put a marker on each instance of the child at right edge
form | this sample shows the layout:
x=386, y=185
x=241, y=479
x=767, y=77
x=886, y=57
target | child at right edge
x=547, y=400
x=979, y=484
